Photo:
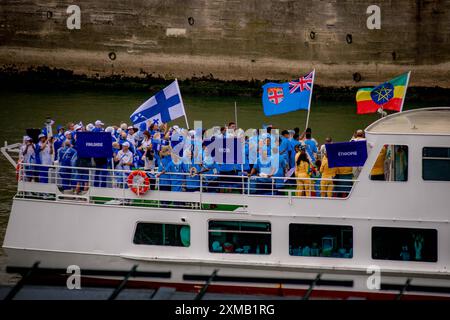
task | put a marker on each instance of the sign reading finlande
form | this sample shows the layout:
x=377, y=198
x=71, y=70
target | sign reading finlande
x=346, y=154
x=94, y=144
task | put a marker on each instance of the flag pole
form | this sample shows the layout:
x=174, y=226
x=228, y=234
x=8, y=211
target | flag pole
x=182, y=103
x=310, y=96
x=235, y=114
x=406, y=88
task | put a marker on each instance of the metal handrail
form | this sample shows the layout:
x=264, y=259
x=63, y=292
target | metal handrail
x=81, y=180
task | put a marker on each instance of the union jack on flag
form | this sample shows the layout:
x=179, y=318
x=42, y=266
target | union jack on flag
x=303, y=83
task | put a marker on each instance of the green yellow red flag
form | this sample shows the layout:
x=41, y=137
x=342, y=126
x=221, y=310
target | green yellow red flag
x=388, y=96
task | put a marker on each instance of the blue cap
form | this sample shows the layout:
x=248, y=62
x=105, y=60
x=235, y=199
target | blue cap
x=59, y=127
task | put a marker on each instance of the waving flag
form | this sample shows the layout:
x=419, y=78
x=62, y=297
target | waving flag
x=279, y=98
x=388, y=96
x=303, y=83
x=164, y=106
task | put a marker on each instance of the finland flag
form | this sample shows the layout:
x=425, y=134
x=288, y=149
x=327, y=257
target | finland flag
x=164, y=106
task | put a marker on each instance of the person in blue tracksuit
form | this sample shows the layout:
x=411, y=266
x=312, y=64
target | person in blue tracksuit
x=285, y=148
x=281, y=169
x=59, y=139
x=98, y=126
x=210, y=169
x=28, y=157
x=45, y=150
x=67, y=156
x=164, y=169
x=294, y=144
x=265, y=168
x=193, y=169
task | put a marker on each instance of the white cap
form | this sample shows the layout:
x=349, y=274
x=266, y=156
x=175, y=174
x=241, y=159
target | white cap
x=41, y=136
x=99, y=123
x=67, y=132
x=27, y=138
x=126, y=144
x=130, y=127
x=77, y=127
x=90, y=127
x=109, y=129
x=175, y=127
x=191, y=132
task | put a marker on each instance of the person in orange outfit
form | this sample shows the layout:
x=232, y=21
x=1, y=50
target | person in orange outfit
x=302, y=171
x=377, y=172
x=326, y=186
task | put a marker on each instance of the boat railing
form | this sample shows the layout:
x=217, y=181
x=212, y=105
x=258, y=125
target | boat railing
x=193, y=190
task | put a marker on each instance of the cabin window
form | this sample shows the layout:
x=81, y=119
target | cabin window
x=391, y=164
x=162, y=234
x=320, y=240
x=404, y=244
x=436, y=164
x=245, y=237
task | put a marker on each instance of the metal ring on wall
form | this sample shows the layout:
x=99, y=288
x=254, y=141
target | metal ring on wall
x=349, y=38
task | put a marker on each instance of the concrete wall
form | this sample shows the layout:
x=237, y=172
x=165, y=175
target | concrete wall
x=232, y=39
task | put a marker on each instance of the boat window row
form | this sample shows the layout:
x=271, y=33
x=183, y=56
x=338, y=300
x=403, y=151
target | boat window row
x=306, y=240
x=392, y=164
x=436, y=164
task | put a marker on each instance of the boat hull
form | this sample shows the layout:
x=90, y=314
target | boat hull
x=98, y=239
x=109, y=271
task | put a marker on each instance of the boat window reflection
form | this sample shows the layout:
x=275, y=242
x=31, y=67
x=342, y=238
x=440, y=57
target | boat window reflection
x=320, y=240
x=436, y=164
x=162, y=234
x=404, y=244
x=245, y=237
x=391, y=164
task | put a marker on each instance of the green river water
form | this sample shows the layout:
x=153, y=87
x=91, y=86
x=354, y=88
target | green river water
x=21, y=110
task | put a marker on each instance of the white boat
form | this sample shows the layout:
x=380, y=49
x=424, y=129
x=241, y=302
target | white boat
x=276, y=243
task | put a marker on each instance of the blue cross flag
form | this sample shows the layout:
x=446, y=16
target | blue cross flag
x=166, y=105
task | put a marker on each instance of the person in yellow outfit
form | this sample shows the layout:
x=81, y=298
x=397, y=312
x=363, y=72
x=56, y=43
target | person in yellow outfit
x=326, y=186
x=377, y=172
x=302, y=170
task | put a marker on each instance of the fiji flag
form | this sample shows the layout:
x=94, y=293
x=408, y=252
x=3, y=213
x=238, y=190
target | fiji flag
x=290, y=96
x=164, y=106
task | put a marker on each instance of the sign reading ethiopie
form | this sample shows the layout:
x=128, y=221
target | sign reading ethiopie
x=346, y=154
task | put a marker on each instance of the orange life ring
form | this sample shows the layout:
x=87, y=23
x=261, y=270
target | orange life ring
x=140, y=188
x=19, y=164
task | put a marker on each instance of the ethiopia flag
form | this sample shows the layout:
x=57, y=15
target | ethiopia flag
x=388, y=96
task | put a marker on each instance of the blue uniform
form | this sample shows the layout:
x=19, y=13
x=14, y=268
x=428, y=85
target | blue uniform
x=177, y=180
x=211, y=178
x=59, y=139
x=164, y=179
x=192, y=182
x=264, y=185
x=294, y=143
x=67, y=158
x=282, y=164
x=311, y=148
x=285, y=148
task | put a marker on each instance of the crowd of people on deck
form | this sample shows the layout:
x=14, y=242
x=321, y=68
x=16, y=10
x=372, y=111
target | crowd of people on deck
x=147, y=147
